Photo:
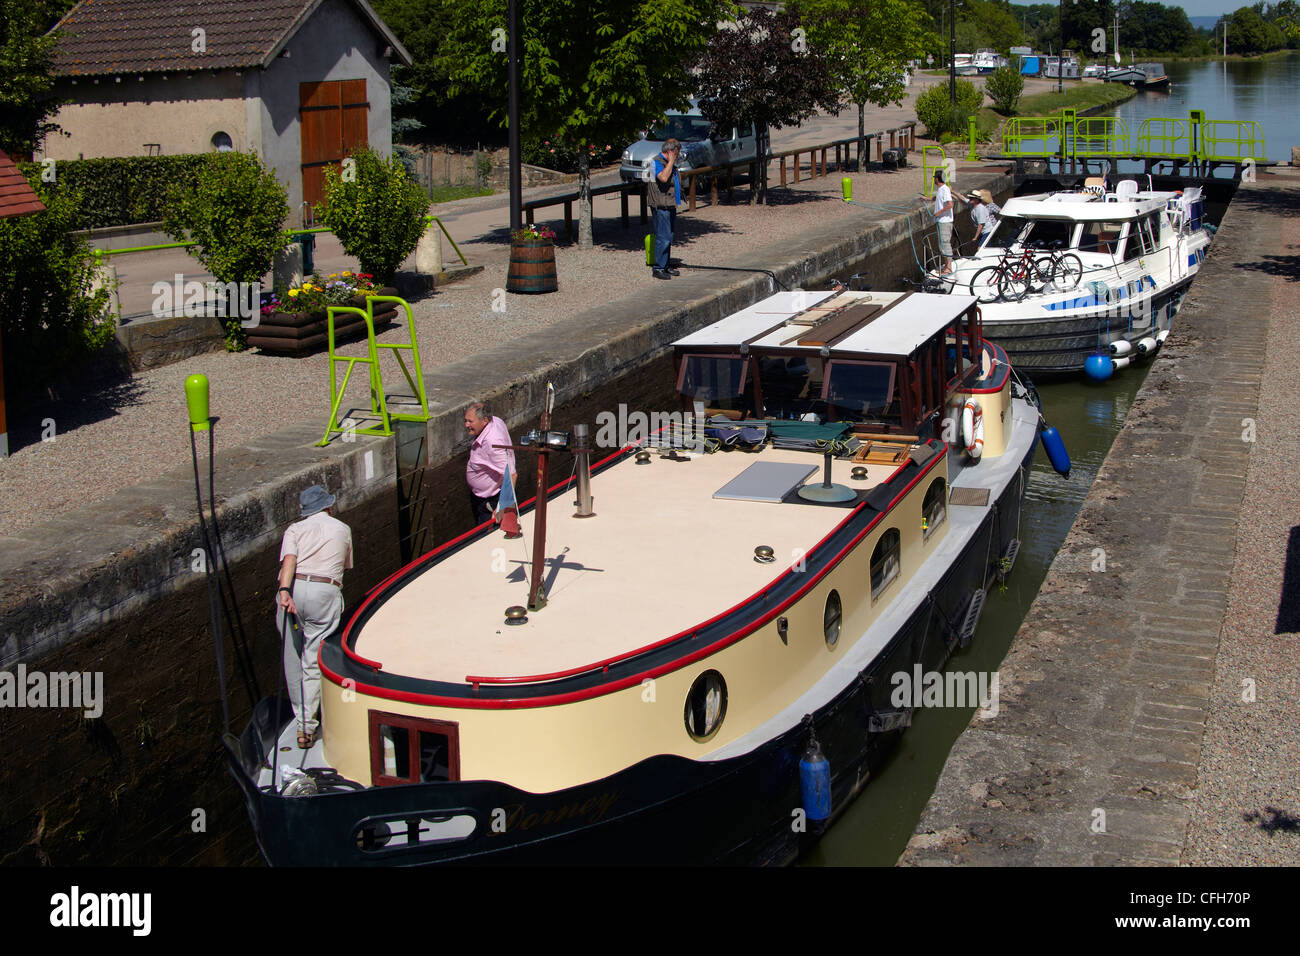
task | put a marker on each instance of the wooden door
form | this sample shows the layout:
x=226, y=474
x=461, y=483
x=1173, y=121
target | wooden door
x=334, y=118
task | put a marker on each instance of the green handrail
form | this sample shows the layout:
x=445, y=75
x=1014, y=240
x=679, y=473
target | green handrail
x=378, y=399
x=1193, y=138
x=927, y=171
x=429, y=220
x=1096, y=136
x=1245, y=136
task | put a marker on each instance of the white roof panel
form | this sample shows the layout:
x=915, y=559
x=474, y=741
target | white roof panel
x=898, y=331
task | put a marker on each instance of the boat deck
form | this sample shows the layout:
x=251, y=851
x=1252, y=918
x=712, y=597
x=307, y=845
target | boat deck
x=661, y=556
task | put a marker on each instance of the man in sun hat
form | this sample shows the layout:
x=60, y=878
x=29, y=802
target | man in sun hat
x=313, y=556
x=984, y=212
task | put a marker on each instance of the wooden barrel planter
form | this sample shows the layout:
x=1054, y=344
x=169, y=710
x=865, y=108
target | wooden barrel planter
x=300, y=333
x=532, y=266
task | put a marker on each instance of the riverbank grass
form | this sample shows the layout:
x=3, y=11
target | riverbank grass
x=1082, y=97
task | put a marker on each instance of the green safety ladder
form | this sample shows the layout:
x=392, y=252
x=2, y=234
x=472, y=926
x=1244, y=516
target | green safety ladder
x=378, y=402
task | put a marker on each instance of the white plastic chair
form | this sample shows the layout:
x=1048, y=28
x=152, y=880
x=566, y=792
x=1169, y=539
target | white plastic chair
x=1126, y=189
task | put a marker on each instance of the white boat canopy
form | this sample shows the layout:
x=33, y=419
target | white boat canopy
x=1085, y=207
x=907, y=321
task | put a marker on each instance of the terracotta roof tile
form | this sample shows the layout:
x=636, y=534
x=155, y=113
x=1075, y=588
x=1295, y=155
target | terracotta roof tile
x=142, y=36
x=17, y=198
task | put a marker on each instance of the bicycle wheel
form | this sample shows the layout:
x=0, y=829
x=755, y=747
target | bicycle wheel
x=984, y=284
x=1041, y=272
x=1013, y=284
x=1067, y=272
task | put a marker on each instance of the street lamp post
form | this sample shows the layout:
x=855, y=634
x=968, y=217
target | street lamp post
x=1060, y=58
x=952, y=51
x=512, y=53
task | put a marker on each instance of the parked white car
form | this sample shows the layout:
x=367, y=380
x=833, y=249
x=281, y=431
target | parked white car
x=702, y=144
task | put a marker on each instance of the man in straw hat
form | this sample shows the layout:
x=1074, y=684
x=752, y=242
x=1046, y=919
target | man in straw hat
x=313, y=556
x=984, y=212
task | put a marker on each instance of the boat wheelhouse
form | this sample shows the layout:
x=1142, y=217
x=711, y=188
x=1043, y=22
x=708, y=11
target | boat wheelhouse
x=1131, y=256
x=719, y=609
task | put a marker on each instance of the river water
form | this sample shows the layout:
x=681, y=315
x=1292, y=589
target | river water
x=876, y=827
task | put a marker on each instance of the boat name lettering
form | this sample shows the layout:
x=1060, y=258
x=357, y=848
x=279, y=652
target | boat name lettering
x=592, y=810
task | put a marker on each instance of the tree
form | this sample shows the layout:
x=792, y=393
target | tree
x=592, y=74
x=49, y=312
x=234, y=214
x=376, y=212
x=868, y=44
x=1246, y=33
x=761, y=71
x=26, y=85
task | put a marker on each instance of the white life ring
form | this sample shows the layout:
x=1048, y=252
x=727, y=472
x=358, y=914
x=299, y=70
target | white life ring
x=972, y=428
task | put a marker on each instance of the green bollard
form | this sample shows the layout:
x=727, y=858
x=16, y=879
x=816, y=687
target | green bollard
x=972, y=156
x=846, y=187
x=196, y=397
x=650, y=250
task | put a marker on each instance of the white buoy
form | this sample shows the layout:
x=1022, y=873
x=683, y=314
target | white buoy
x=1162, y=335
x=1120, y=347
x=1147, y=345
x=1122, y=362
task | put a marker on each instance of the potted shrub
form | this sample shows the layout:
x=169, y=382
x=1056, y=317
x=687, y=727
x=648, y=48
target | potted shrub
x=234, y=214
x=294, y=320
x=532, y=261
x=376, y=211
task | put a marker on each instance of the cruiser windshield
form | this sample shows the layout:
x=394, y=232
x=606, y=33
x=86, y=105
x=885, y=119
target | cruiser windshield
x=688, y=129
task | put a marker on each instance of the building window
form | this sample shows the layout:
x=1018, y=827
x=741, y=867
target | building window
x=412, y=749
x=222, y=142
x=935, y=507
x=885, y=561
x=706, y=706
x=832, y=617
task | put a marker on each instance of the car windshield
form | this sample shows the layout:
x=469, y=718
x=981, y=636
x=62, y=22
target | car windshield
x=688, y=129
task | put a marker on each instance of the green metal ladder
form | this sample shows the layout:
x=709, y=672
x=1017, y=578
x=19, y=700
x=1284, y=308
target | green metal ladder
x=378, y=401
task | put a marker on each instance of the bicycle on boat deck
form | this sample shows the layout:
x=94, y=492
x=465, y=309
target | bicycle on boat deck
x=1017, y=274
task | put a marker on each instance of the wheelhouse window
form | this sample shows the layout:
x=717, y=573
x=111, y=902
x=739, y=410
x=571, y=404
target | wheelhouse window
x=792, y=385
x=1101, y=237
x=1133, y=244
x=861, y=391
x=1008, y=232
x=718, y=382
x=885, y=563
x=1045, y=233
x=934, y=509
x=412, y=749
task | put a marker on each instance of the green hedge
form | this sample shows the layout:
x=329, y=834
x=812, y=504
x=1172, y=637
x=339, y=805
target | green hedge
x=123, y=190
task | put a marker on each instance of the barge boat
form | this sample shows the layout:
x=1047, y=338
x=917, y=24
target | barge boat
x=700, y=664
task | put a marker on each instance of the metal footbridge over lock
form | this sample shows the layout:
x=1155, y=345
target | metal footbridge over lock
x=1192, y=147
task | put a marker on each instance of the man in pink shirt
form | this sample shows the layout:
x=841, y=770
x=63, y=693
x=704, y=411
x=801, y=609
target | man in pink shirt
x=487, y=463
x=313, y=556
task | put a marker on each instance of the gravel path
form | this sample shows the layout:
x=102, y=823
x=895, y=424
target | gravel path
x=124, y=435
x=1246, y=806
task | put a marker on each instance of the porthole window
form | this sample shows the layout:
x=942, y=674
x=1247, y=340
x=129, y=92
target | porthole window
x=885, y=562
x=935, y=507
x=706, y=706
x=222, y=142
x=832, y=617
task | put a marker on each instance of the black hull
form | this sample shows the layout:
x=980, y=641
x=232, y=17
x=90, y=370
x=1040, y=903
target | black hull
x=664, y=810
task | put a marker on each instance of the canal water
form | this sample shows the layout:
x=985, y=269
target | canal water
x=875, y=829
x=1261, y=90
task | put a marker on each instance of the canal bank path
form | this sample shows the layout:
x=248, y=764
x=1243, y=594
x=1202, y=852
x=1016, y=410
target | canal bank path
x=1149, y=712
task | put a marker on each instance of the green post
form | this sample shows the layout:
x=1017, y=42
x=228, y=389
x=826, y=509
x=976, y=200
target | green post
x=650, y=250
x=196, y=397
x=972, y=156
x=846, y=187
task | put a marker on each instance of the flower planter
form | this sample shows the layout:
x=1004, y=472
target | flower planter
x=532, y=266
x=300, y=333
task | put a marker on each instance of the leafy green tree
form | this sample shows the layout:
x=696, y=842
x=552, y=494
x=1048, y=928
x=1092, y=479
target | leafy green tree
x=50, y=317
x=868, y=44
x=377, y=214
x=235, y=215
x=762, y=72
x=592, y=74
x=26, y=87
x=1246, y=32
x=940, y=115
x=1004, y=86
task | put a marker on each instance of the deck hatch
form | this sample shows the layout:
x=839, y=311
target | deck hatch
x=765, y=481
x=978, y=497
